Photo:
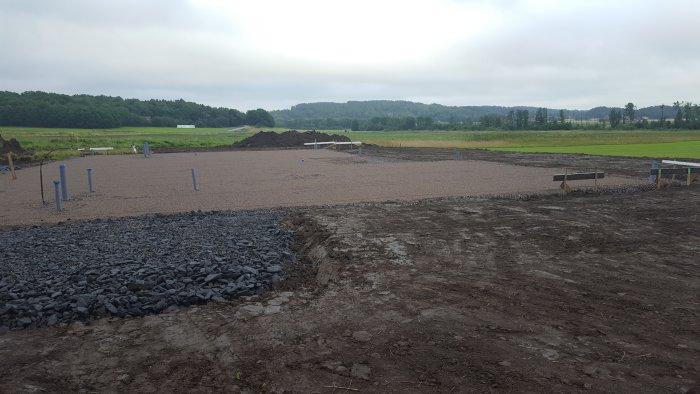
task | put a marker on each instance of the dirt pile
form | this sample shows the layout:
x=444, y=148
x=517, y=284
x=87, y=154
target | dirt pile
x=288, y=139
x=11, y=145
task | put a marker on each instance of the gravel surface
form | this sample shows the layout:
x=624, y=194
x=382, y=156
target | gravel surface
x=131, y=185
x=138, y=266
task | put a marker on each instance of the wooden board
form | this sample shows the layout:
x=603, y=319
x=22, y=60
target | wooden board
x=674, y=171
x=578, y=176
x=12, y=166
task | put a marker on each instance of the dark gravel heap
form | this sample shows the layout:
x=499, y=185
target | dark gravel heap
x=288, y=139
x=138, y=266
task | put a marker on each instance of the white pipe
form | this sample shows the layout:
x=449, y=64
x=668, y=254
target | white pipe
x=681, y=163
x=98, y=149
x=331, y=143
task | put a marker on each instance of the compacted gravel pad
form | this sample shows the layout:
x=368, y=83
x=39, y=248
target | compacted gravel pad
x=129, y=185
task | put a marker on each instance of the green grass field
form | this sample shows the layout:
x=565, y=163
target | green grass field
x=67, y=141
x=686, y=149
x=641, y=143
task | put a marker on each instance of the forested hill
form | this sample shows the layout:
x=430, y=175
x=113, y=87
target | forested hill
x=330, y=114
x=40, y=109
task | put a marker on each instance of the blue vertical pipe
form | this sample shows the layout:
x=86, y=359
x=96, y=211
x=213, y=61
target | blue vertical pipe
x=146, y=151
x=194, y=180
x=64, y=184
x=57, y=194
x=89, y=172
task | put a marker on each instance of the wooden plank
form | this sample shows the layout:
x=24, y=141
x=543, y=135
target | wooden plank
x=674, y=171
x=578, y=176
x=11, y=165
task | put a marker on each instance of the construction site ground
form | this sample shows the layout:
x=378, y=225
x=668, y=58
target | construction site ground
x=525, y=293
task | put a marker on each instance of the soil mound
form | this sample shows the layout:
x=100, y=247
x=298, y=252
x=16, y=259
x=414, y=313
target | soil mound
x=288, y=139
x=11, y=145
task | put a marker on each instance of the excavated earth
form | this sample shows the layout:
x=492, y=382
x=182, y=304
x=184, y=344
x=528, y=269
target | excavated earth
x=595, y=292
x=287, y=139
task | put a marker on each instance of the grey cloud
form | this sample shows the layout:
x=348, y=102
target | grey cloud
x=596, y=53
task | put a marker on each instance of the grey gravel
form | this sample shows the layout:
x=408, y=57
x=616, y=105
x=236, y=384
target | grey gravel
x=138, y=266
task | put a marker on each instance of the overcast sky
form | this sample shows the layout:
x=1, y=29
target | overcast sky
x=273, y=54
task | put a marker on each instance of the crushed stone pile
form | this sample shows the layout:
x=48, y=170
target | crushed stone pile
x=288, y=139
x=138, y=266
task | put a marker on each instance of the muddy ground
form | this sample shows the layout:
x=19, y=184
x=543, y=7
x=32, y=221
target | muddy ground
x=582, y=294
x=613, y=165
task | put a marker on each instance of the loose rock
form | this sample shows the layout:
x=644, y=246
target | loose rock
x=137, y=266
x=361, y=371
x=362, y=336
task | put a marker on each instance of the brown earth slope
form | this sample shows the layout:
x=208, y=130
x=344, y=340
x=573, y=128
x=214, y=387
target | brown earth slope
x=288, y=139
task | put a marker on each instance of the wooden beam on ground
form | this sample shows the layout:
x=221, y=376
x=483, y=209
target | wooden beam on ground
x=12, y=166
x=674, y=171
x=578, y=176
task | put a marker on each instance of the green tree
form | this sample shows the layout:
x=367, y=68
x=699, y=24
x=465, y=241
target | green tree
x=408, y=123
x=561, y=117
x=491, y=120
x=522, y=119
x=541, y=117
x=678, y=119
x=615, y=117
x=42, y=109
x=424, y=123
x=259, y=117
x=628, y=113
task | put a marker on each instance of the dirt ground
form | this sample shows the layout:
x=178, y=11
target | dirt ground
x=127, y=185
x=581, y=294
x=614, y=165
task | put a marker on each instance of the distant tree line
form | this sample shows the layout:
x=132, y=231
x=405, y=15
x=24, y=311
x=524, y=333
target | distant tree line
x=686, y=115
x=377, y=123
x=389, y=115
x=513, y=120
x=681, y=115
x=520, y=120
x=40, y=109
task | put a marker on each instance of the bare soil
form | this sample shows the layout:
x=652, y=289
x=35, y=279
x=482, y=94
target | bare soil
x=288, y=139
x=7, y=146
x=614, y=165
x=582, y=294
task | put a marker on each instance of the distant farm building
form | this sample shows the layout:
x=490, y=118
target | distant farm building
x=185, y=126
